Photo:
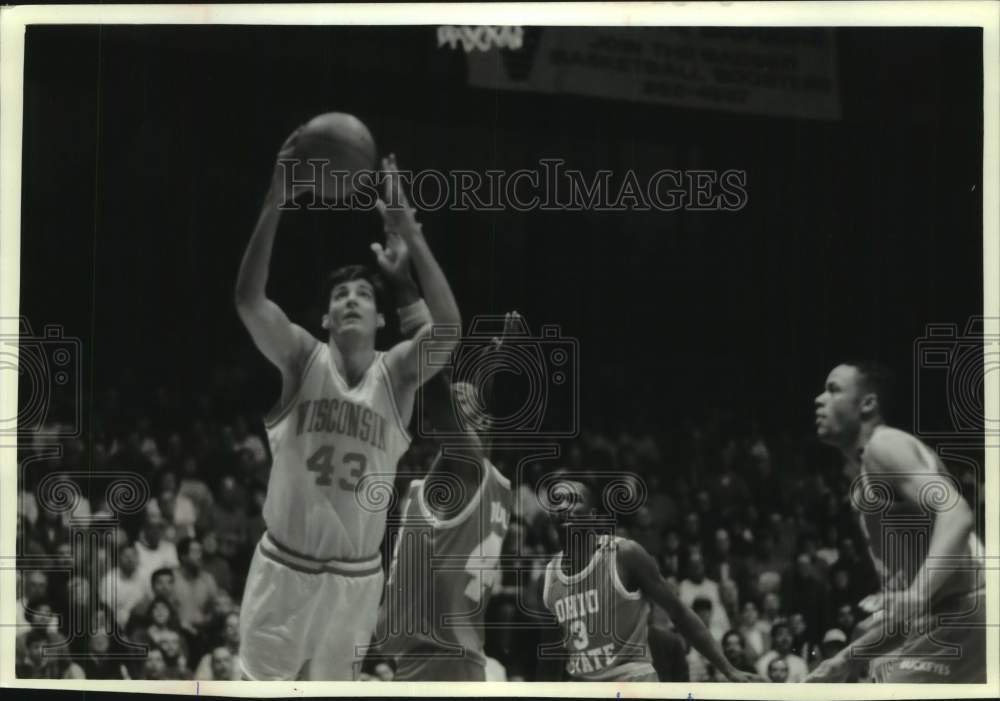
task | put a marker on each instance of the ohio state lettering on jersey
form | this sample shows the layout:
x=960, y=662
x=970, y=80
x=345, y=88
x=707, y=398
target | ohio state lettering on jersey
x=604, y=625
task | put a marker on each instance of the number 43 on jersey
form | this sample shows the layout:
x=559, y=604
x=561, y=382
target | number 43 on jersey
x=323, y=462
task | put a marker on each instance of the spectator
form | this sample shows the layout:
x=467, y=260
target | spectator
x=828, y=552
x=174, y=656
x=730, y=595
x=691, y=533
x=709, y=518
x=38, y=665
x=196, y=490
x=228, y=640
x=765, y=567
x=178, y=511
x=765, y=488
x=846, y=619
x=218, y=665
x=50, y=529
x=194, y=587
x=805, y=593
x=129, y=457
x=244, y=440
x=802, y=642
x=777, y=670
x=756, y=633
x=670, y=557
x=98, y=664
x=699, y=668
x=771, y=611
x=78, y=608
x=644, y=531
x=153, y=551
x=162, y=586
x=697, y=585
x=834, y=640
x=35, y=591
x=841, y=588
x=722, y=565
x=214, y=564
x=162, y=621
x=229, y=518
x=154, y=668
x=122, y=587
x=781, y=639
x=25, y=543
x=734, y=648
x=250, y=470
x=662, y=506
x=41, y=618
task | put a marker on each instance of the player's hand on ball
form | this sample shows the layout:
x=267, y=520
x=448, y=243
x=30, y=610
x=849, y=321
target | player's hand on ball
x=397, y=214
x=282, y=166
x=393, y=258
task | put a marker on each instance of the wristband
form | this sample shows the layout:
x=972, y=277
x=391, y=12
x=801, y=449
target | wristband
x=413, y=316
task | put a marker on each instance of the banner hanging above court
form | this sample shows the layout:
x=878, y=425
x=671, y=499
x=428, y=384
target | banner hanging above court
x=789, y=73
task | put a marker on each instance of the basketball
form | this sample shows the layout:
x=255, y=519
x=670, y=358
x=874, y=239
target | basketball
x=344, y=145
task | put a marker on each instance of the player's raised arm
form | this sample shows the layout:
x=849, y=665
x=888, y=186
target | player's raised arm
x=438, y=307
x=642, y=571
x=281, y=341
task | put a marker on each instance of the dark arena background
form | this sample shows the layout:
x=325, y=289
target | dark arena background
x=702, y=336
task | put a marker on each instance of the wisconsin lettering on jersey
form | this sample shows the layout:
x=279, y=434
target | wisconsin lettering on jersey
x=571, y=611
x=343, y=417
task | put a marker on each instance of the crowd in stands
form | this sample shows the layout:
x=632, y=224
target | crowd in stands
x=759, y=541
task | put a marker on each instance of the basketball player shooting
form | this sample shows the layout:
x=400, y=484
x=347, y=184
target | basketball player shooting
x=600, y=586
x=931, y=628
x=433, y=616
x=315, y=580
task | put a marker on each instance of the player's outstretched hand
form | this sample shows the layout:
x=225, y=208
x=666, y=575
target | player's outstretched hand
x=397, y=214
x=393, y=258
x=511, y=326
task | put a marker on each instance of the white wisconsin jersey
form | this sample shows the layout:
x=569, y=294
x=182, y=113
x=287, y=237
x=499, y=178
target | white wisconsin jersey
x=335, y=450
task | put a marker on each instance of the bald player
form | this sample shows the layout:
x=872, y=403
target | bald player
x=600, y=588
x=312, y=592
x=920, y=534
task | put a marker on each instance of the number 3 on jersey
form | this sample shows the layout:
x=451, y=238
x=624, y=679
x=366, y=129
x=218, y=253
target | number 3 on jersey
x=323, y=464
